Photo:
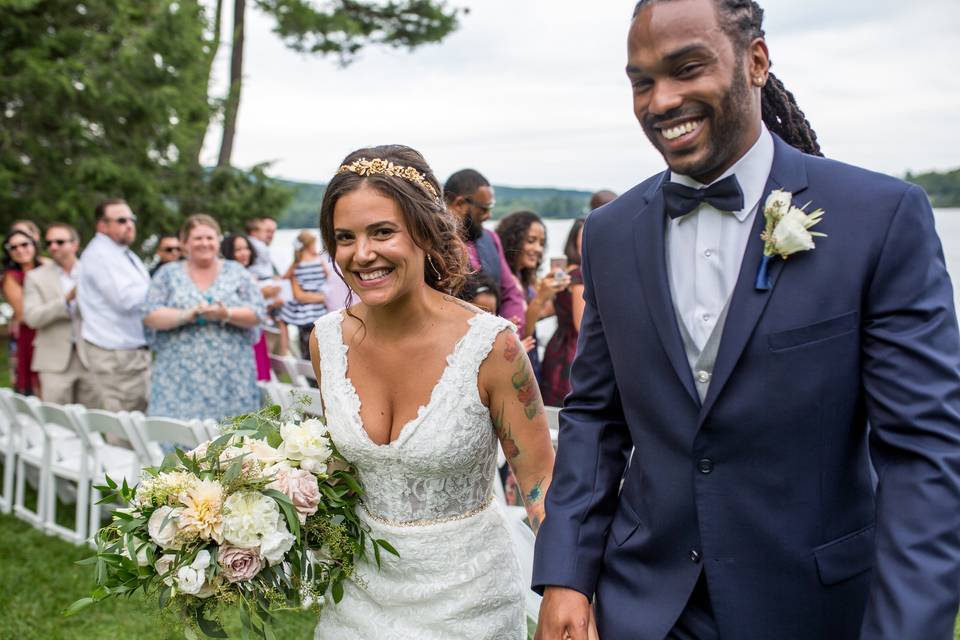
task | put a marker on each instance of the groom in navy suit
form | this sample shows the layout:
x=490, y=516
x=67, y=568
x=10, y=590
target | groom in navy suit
x=744, y=386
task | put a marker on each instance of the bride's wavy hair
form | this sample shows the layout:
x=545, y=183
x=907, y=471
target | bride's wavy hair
x=431, y=226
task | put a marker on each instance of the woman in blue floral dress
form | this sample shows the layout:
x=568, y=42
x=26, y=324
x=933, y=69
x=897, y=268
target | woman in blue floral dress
x=203, y=315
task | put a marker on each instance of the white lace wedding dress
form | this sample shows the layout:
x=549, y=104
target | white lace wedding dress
x=430, y=494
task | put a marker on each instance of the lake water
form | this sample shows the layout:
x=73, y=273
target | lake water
x=947, y=221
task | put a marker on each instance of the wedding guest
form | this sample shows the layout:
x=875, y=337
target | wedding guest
x=237, y=247
x=168, y=250
x=20, y=256
x=50, y=307
x=27, y=226
x=203, y=315
x=112, y=285
x=308, y=278
x=568, y=305
x=469, y=196
x=524, y=237
x=600, y=198
x=260, y=232
x=481, y=291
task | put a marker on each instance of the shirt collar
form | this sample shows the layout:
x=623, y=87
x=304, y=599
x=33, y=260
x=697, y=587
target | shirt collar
x=109, y=242
x=752, y=171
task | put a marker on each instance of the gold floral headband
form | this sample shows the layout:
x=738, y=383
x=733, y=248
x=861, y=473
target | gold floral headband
x=364, y=167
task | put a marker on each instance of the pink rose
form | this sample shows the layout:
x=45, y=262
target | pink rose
x=301, y=487
x=239, y=565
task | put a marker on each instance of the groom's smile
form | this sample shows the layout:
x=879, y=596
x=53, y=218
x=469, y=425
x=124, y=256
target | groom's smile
x=691, y=92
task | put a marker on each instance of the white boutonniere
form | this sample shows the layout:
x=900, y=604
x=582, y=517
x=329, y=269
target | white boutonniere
x=787, y=231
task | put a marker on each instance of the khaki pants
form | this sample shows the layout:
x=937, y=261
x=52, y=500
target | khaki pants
x=74, y=385
x=122, y=377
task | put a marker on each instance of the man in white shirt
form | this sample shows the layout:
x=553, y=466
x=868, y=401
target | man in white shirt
x=260, y=232
x=113, y=285
x=50, y=307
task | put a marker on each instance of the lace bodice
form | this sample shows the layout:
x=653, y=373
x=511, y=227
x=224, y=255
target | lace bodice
x=443, y=463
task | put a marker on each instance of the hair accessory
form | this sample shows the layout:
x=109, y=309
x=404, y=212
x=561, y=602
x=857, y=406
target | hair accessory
x=364, y=167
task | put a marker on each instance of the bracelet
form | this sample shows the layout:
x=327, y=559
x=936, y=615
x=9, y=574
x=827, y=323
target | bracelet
x=226, y=319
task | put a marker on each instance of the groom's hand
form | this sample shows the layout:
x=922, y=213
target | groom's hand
x=565, y=614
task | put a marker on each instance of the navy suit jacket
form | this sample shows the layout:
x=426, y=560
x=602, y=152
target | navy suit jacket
x=766, y=486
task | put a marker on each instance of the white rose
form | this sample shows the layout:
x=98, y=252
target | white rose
x=791, y=235
x=163, y=527
x=163, y=565
x=248, y=516
x=190, y=579
x=306, y=443
x=778, y=201
x=262, y=451
x=277, y=543
x=140, y=547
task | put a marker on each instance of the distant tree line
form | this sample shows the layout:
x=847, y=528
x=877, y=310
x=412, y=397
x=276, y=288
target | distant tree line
x=942, y=187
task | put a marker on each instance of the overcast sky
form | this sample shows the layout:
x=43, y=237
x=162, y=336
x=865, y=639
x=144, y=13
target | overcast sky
x=533, y=92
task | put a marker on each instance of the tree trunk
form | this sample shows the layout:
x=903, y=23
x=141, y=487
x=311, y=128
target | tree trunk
x=193, y=153
x=236, y=83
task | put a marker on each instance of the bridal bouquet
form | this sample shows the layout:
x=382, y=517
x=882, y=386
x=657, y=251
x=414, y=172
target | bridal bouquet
x=260, y=519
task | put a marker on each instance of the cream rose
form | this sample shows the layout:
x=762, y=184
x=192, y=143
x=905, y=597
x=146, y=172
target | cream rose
x=162, y=567
x=300, y=486
x=306, y=444
x=778, y=202
x=163, y=528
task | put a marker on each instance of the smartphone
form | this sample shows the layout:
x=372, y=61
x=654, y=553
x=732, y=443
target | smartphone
x=558, y=267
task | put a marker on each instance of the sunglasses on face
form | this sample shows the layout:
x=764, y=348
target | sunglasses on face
x=57, y=243
x=16, y=247
x=170, y=250
x=124, y=219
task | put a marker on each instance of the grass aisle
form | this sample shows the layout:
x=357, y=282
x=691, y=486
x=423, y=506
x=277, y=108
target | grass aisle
x=39, y=579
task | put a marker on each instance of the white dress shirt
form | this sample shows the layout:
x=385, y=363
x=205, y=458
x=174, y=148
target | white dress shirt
x=262, y=267
x=705, y=247
x=112, y=286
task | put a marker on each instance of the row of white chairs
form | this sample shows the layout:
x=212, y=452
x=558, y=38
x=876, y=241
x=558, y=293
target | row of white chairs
x=66, y=450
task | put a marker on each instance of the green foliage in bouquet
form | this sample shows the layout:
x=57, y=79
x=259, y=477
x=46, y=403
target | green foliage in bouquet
x=260, y=520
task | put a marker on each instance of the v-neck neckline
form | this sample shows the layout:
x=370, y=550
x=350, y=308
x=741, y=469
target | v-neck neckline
x=410, y=425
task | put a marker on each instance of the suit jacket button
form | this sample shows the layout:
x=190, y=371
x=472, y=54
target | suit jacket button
x=694, y=555
x=705, y=465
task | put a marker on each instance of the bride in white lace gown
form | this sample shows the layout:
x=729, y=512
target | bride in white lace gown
x=408, y=379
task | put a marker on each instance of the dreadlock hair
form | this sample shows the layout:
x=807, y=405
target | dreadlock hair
x=742, y=21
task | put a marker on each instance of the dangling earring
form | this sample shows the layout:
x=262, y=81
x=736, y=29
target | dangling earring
x=433, y=266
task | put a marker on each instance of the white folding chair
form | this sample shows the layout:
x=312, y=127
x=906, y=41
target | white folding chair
x=8, y=447
x=120, y=427
x=271, y=392
x=211, y=429
x=162, y=434
x=74, y=466
x=305, y=370
x=281, y=366
x=34, y=446
x=306, y=399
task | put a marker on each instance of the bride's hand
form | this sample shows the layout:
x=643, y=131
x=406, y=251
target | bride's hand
x=565, y=614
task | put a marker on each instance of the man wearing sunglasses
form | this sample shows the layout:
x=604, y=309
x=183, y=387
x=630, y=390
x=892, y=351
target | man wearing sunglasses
x=469, y=196
x=113, y=285
x=168, y=250
x=50, y=307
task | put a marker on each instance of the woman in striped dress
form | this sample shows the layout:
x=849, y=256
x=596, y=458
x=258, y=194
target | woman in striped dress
x=310, y=273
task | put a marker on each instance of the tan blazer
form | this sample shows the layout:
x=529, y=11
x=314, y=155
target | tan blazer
x=45, y=309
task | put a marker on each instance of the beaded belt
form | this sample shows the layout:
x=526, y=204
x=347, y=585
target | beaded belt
x=428, y=521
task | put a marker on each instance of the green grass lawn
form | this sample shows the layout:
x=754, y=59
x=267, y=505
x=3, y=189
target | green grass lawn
x=39, y=579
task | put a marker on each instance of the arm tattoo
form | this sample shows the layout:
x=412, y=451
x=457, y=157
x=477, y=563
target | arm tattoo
x=536, y=493
x=527, y=390
x=510, y=448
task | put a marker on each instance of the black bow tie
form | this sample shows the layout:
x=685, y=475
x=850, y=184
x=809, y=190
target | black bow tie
x=725, y=195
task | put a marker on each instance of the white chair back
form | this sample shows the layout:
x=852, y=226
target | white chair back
x=305, y=369
x=553, y=423
x=306, y=399
x=9, y=435
x=281, y=366
x=118, y=426
x=166, y=431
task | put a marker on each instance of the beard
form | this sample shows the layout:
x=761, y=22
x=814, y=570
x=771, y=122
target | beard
x=729, y=123
x=472, y=231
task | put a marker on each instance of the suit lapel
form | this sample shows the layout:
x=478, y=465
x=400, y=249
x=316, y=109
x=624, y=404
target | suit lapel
x=747, y=304
x=649, y=238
